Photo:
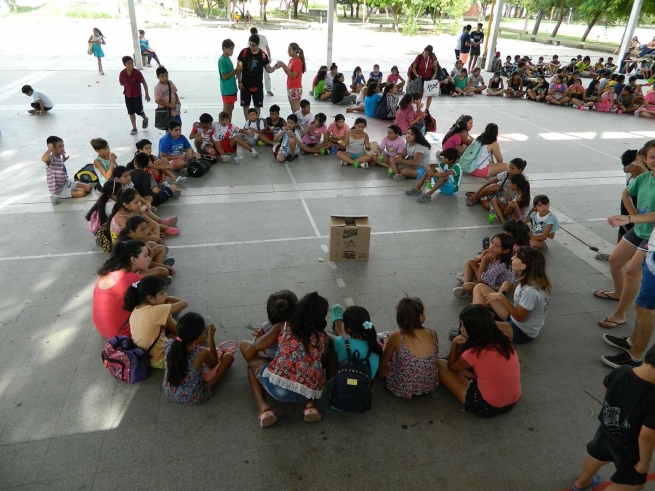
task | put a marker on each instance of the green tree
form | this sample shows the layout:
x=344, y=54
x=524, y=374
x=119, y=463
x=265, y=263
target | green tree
x=395, y=6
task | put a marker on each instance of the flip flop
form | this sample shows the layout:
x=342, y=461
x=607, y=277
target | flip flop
x=267, y=418
x=595, y=481
x=311, y=415
x=336, y=313
x=604, y=295
x=607, y=320
x=602, y=257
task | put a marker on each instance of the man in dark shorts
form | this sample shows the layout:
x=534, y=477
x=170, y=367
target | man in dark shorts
x=477, y=38
x=626, y=435
x=251, y=80
x=131, y=81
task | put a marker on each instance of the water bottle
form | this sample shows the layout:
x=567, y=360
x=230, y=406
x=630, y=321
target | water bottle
x=237, y=160
x=428, y=184
x=492, y=216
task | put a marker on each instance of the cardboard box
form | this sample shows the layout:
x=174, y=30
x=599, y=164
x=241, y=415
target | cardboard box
x=350, y=237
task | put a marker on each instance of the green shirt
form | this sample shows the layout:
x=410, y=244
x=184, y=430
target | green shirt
x=643, y=187
x=318, y=90
x=456, y=177
x=229, y=86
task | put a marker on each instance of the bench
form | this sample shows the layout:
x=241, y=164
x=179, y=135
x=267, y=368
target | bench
x=187, y=12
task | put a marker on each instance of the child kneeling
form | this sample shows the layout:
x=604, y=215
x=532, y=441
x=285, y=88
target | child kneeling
x=447, y=175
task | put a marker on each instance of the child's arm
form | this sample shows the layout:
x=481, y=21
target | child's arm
x=367, y=143
x=100, y=169
x=269, y=339
x=627, y=202
x=145, y=89
x=208, y=356
x=444, y=173
x=478, y=193
x=308, y=128
x=177, y=304
x=47, y=156
x=544, y=235
x=390, y=347
x=455, y=362
x=279, y=136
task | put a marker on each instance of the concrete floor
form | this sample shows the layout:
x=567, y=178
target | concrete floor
x=252, y=229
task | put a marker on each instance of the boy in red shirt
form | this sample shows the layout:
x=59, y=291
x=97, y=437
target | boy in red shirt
x=131, y=81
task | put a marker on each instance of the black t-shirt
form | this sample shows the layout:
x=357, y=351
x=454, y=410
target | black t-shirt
x=477, y=37
x=141, y=181
x=629, y=404
x=466, y=38
x=253, y=67
x=339, y=90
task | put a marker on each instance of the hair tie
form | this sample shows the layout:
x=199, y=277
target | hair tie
x=367, y=325
x=178, y=339
x=136, y=284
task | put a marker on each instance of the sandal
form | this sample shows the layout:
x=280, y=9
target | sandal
x=336, y=313
x=604, y=295
x=602, y=257
x=311, y=415
x=595, y=481
x=267, y=418
x=607, y=320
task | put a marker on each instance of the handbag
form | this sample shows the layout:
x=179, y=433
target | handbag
x=163, y=114
x=89, y=51
x=431, y=88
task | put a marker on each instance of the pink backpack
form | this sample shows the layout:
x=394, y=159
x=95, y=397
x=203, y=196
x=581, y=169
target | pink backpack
x=94, y=223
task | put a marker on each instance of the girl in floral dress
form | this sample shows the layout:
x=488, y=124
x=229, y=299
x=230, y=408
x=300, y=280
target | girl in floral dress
x=297, y=373
x=409, y=361
x=186, y=356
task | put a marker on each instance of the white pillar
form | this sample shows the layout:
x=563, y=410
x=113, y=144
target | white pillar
x=493, y=35
x=630, y=28
x=330, y=25
x=138, y=60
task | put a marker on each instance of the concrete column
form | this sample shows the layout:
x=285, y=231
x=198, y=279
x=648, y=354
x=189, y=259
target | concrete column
x=630, y=28
x=138, y=59
x=330, y=26
x=493, y=35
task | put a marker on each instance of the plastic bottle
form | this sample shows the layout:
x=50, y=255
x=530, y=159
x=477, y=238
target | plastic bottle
x=237, y=160
x=428, y=184
x=492, y=216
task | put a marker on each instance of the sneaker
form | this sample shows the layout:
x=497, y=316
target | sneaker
x=171, y=231
x=55, y=200
x=225, y=158
x=342, y=163
x=459, y=292
x=170, y=222
x=412, y=192
x=144, y=125
x=169, y=261
x=423, y=199
x=398, y=177
x=177, y=194
x=453, y=333
x=253, y=153
x=269, y=93
x=134, y=131
x=364, y=165
x=180, y=180
x=168, y=280
x=460, y=278
x=620, y=360
x=618, y=342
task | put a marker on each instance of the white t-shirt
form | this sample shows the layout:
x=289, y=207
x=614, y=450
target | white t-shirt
x=227, y=131
x=651, y=242
x=537, y=302
x=36, y=95
x=263, y=42
x=304, y=119
x=412, y=150
x=258, y=125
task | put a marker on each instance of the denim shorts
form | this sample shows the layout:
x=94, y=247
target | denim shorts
x=646, y=298
x=519, y=337
x=278, y=393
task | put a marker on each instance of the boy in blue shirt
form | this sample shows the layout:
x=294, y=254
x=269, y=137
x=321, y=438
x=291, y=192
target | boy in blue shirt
x=175, y=148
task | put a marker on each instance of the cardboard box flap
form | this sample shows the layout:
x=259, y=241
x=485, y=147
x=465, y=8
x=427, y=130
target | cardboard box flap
x=349, y=221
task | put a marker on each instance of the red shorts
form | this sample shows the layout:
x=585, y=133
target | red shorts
x=229, y=99
x=227, y=148
x=480, y=172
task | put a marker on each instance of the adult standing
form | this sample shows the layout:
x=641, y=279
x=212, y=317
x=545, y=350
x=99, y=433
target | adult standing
x=253, y=62
x=263, y=45
x=425, y=67
x=477, y=37
x=465, y=49
x=458, y=44
x=294, y=71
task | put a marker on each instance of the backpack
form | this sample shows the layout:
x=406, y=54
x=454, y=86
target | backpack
x=124, y=360
x=103, y=238
x=469, y=159
x=94, y=222
x=353, y=386
x=87, y=175
x=430, y=122
x=197, y=168
x=382, y=109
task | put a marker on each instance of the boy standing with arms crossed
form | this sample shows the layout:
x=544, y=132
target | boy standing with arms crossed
x=131, y=81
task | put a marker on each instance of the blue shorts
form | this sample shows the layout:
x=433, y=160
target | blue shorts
x=355, y=156
x=421, y=172
x=177, y=118
x=519, y=337
x=646, y=298
x=278, y=393
x=447, y=188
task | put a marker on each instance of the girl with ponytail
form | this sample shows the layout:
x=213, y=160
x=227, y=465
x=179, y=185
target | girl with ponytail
x=109, y=191
x=356, y=323
x=409, y=361
x=294, y=71
x=186, y=356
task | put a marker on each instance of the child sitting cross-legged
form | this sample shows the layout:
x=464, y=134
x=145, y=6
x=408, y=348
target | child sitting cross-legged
x=515, y=207
x=146, y=184
x=357, y=144
x=202, y=135
x=544, y=223
x=59, y=184
x=186, y=357
x=447, y=176
x=105, y=162
x=226, y=139
x=391, y=145
x=414, y=159
x=336, y=132
x=288, y=142
x=297, y=373
x=314, y=139
x=175, y=148
x=159, y=168
x=252, y=130
x=493, y=267
x=274, y=124
x=497, y=187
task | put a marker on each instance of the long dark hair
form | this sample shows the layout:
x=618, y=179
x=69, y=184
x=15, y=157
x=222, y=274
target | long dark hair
x=320, y=76
x=489, y=135
x=121, y=256
x=357, y=322
x=148, y=286
x=131, y=225
x=591, y=90
x=370, y=87
x=519, y=231
x=124, y=197
x=535, y=269
x=387, y=89
x=189, y=328
x=482, y=332
x=308, y=318
x=405, y=101
x=458, y=127
x=419, y=139
x=408, y=314
x=280, y=306
x=109, y=189
x=506, y=243
x=301, y=54
x=99, y=31
x=523, y=186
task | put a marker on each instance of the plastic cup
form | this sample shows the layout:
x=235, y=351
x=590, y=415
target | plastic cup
x=491, y=218
x=322, y=151
x=428, y=184
x=390, y=172
x=356, y=164
x=380, y=158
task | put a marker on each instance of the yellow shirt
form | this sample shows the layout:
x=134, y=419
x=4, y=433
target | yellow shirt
x=146, y=325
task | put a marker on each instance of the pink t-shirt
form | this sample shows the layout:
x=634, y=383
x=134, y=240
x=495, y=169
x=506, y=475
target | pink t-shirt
x=336, y=132
x=393, y=79
x=499, y=379
x=452, y=142
x=295, y=65
x=161, y=94
x=392, y=147
x=404, y=118
x=108, y=314
x=314, y=135
x=649, y=100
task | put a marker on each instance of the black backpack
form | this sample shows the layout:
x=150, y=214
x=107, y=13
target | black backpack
x=197, y=168
x=353, y=385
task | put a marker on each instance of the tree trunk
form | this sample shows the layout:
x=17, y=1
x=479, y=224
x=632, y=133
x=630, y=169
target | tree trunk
x=537, y=22
x=560, y=18
x=295, y=9
x=357, y=10
x=527, y=19
x=396, y=11
x=352, y=11
x=593, y=21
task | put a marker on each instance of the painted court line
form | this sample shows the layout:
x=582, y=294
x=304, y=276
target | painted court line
x=341, y=283
x=304, y=203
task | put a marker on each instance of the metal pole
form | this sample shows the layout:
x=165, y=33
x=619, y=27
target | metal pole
x=486, y=34
x=138, y=61
x=493, y=36
x=330, y=23
x=630, y=29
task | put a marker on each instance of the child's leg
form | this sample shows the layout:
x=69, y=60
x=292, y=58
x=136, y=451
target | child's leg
x=471, y=271
x=409, y=172
x=647, y=114
x=538, y=244
x=160, y=271
x=420, y=183
x=133, y=121
x=158, y=253
x=100, y=65
x=438, y=183
x=225, y=362
x=630, y=109
x=531, y=94
x=513, y=210
x=264, y=138
x=234, y=141
x=453, y=381
x=254, y=365
x=79, y=193
x=509, y=93
x=499, y=208
x=154, y=227
x=293, y=146
x=577, y=102
x=345, y=157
